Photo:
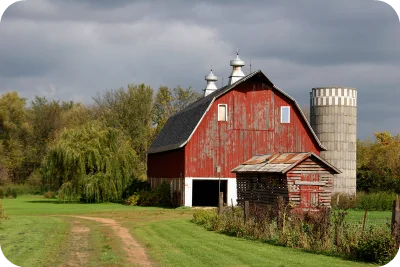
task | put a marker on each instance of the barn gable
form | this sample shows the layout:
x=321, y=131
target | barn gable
x=180, y=127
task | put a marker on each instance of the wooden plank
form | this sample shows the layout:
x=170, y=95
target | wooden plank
x=310, y=183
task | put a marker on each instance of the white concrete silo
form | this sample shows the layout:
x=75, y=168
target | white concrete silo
x=333, y=116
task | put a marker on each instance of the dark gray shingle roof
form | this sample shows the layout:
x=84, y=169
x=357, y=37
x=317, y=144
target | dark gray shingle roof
x=179, y=127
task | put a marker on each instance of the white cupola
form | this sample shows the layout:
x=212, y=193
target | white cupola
x=211, y=86
x=237, y=72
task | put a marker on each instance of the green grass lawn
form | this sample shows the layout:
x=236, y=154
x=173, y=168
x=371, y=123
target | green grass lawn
x=33, y=240
x=373, y=217
x=182, y=243
x=38, y=231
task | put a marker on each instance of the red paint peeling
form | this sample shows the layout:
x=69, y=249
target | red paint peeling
x=253, y=127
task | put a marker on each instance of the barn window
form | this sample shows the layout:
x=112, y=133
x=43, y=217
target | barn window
x=222, y=112
x=285, y=114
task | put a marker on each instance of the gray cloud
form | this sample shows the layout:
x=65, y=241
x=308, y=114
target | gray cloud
x=74, y=49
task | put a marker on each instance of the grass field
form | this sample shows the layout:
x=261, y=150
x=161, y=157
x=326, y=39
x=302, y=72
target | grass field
x=40, y=233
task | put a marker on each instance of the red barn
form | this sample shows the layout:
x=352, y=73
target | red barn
x=201, y=144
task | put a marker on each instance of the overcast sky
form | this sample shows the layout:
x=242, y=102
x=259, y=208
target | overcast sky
x=73, y=49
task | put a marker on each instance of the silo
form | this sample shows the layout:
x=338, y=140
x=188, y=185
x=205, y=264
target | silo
x=333, y=117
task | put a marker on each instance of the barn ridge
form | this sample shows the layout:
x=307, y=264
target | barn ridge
x=180, y=127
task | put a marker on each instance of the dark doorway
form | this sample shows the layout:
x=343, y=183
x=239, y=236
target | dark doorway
x=205, y=192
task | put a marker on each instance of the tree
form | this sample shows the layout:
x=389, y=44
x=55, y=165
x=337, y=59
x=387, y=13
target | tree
x=92, y=162
x=130, y=111
x=168, y=102
x=15, y=132
x=378, y=163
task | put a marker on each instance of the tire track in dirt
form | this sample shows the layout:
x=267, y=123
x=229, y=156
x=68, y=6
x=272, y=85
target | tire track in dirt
x=79, y=244
x=136, y=254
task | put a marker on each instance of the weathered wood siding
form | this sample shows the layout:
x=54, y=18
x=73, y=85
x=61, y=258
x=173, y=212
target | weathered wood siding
x=309, y=181
x=307, y=186
x=261, y=189
x=253, y=127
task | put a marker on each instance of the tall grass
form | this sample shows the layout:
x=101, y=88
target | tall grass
x=315, y=232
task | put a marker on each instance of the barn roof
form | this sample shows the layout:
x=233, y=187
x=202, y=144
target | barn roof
x=278, y=163
x=180, y=127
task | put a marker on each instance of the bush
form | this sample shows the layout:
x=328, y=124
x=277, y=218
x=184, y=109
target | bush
x=136, y=186
x=161, y=196
x=50, y=194
x=207, y=218
x=376, y=201
x=11, y=192
x=132, y=200
x=34, y=183
x=20, y=189
x=2, y=193
x=377, y=246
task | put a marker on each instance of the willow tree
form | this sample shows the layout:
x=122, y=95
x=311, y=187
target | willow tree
x=92, y=162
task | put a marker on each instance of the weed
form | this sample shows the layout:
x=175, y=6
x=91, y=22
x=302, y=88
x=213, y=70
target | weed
x=3, y=215
x=313, y=231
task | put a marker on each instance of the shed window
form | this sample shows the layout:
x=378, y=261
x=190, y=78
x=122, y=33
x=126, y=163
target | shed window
x=222, y=112
x=285, y=114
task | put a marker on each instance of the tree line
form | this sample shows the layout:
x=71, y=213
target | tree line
x=88, y=152
x=95, y=151
x=378, y=163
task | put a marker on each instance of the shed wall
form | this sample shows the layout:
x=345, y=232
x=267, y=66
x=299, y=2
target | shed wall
x=261, y=188
x=310, y=175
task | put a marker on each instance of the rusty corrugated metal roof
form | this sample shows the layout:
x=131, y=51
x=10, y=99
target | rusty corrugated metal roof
x=288, y=158
x=277, y=162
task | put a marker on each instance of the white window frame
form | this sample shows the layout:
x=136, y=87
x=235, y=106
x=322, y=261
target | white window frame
x=226, y=112
x=282, y=108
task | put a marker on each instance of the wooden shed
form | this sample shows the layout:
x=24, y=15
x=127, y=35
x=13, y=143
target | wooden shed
x=304, y=179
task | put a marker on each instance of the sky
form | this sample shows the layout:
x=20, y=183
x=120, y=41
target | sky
x=75, y=49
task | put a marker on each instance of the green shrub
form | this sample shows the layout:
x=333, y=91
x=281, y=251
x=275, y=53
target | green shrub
x=34, y=183
x=132, y=200
x=160, y=196
x=2, y=193
x=21, y=189
x=50, y=194
x=11, y=192
x=136, y=186
x=381, y=201
x=377, y=245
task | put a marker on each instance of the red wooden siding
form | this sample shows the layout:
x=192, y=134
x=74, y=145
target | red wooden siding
x=310, y=179
x=168, y=164
x=253, y=127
